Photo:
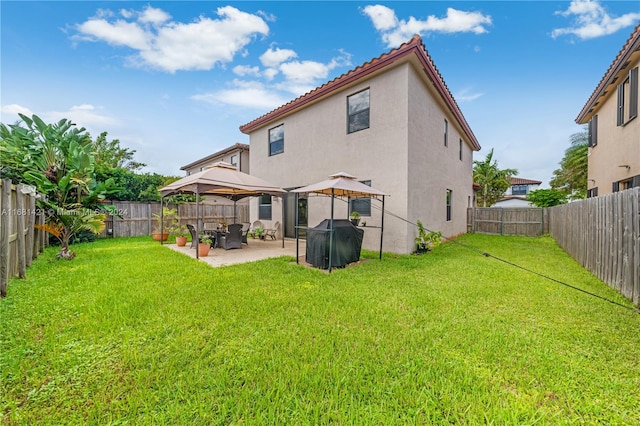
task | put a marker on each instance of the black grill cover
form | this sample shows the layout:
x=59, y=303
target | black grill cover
x=347, y=242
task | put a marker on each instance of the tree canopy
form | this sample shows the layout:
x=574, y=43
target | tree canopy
x=571, y=177
x=547, y=197
x=493, y=180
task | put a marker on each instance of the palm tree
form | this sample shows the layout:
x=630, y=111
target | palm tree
x=494, y=181
x=571, y=177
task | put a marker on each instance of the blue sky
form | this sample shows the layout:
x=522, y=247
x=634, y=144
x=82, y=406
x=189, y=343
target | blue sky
x=175, y=80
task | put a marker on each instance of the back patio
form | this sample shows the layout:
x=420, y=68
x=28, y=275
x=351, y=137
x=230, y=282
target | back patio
x=256, y=250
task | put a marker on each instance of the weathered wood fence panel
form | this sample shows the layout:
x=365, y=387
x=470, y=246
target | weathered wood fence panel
x=138, y=218
x=20, y=242
x=525, y=221
x=603, y=234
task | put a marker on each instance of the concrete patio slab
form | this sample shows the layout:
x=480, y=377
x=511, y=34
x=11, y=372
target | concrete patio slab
x=255, y=250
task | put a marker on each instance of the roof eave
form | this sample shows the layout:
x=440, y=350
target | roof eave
x=630, y=47
x=414, y=46
x=237, y=146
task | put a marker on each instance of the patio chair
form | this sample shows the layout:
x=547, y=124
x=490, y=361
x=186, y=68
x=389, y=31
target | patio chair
x=245, y=231
x=232, y=238
x=273, y=232
x=194, y=236
x=257, y=224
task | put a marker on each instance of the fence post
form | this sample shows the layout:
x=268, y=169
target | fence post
x=30, y=229
x=21, y=249
x=5, y=229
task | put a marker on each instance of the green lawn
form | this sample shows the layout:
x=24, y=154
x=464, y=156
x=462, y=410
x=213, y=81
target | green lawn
x=131, y=332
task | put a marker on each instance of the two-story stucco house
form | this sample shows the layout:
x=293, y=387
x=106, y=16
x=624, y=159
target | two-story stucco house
x=614, y=126
x=237, y=154
x=516, y=194
x=391, y=122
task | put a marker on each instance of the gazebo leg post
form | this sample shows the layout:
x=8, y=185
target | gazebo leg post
x=381, y=227
x=197, y=222
x=295, y=222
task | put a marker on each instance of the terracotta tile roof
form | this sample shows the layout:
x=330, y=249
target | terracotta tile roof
x=619, y=63
x=234, y=147
x=413, y=46
x=522, y=181
x=512, y=197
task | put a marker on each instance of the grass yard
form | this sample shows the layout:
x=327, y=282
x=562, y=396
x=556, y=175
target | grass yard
x=133, y=333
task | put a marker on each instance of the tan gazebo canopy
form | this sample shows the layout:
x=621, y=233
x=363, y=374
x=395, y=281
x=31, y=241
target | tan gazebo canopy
x=224, y=180
x=342, y=185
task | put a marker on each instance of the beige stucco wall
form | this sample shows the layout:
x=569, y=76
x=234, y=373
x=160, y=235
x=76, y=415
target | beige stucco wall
x=617, y=145
x=391, y=153
x=433, y=167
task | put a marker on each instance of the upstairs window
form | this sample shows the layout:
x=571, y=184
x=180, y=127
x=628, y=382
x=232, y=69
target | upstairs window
x=593, y=131
x=446, y=132
x=358, y=111
x=276, y=140
x=460, y=149
x=519, y=190
x=628, y=98
x=362, y=205
x=234, y=160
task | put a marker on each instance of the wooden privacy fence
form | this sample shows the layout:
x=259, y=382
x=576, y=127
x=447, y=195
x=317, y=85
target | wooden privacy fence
x=20, y=242
x=603, y=234
x=137, y=218
x=525, y=221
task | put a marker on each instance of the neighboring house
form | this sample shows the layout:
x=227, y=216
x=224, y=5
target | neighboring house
x=391, y=122
x=516, y=194
x=614, y=126
x=237, y=154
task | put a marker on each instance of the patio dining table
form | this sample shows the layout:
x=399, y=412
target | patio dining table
x=215, y=235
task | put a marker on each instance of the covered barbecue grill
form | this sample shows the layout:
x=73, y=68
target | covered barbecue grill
x=347, y=242
x=339, y=185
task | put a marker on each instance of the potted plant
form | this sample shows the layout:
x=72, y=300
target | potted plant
x=169, y=218
x=257, y=233
x=355, y=218
x=181, y=237
x=204, y=244
x=426, y=241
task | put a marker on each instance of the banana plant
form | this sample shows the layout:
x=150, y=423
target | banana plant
x=58, y=161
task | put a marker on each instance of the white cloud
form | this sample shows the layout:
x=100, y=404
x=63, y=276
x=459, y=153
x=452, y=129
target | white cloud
x=250, y=94
x=126, y=13
x=395, y=32
x=467, y=95
x=243, y=70
x=119, y=33
x=304, y=71
x=274, y=57
x=270, y=73
x=382, y=17
x=13, y=110
x=154, y=16
x=591, y=20
x=84, y=115
x=173, y=46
